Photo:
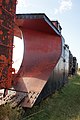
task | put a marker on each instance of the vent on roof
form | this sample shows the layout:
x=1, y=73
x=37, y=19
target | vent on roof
x=57, y=25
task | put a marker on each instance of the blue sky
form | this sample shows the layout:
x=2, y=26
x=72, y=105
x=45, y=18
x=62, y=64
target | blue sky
x=65, y=11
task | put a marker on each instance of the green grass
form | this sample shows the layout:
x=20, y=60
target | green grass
x=63, y=105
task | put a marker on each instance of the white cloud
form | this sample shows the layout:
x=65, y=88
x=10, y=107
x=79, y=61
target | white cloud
x=64, y=5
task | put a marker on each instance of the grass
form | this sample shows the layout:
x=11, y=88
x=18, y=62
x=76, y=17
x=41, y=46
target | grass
x=63, y=105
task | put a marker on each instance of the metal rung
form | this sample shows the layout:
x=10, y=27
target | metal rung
x=7, y=11
x=7, y=46
x=7, y=28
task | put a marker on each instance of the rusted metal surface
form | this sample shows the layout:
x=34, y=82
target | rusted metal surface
x=7, y=13
x=42, y=50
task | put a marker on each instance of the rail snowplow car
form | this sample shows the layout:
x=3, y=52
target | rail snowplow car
x=44, y=67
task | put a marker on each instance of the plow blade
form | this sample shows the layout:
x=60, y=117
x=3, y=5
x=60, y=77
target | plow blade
x=42, y=52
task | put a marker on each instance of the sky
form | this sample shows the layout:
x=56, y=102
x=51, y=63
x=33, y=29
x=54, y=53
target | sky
x=65, y=11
